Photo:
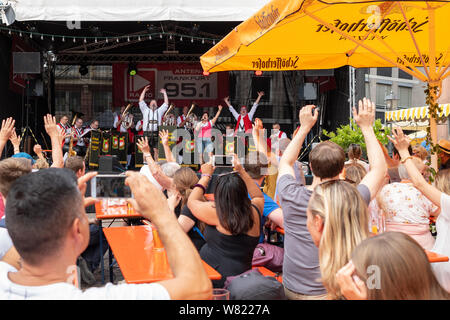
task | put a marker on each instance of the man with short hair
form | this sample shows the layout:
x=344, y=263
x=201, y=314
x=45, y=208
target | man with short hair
x=301, y=259
x=49, y=227
x=76, y=164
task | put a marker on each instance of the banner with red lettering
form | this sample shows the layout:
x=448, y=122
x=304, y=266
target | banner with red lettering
x=184, y=83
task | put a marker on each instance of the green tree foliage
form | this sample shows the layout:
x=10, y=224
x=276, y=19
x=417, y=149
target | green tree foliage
x=346, y=134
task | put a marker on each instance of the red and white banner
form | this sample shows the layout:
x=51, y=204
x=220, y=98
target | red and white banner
x=184, y=83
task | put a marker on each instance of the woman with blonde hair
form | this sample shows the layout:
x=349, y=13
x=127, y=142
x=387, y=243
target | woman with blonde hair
x=337, y=219
x=389, y=266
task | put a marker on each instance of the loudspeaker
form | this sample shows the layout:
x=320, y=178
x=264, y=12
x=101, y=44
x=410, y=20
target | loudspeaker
x=109, y=164
x=27, y=62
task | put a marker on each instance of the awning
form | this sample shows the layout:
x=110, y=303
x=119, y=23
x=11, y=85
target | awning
x=415, y=113
x=135, y=10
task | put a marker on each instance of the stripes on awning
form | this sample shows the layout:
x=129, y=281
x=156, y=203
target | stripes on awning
x=415, y=113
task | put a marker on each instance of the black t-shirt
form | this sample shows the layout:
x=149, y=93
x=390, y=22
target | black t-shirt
x=194, y=234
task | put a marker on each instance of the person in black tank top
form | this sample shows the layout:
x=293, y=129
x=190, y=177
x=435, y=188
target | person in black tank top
x=232, y=221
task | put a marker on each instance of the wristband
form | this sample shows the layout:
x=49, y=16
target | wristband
x=206, y=175
x=403, y=161
x=200, y=186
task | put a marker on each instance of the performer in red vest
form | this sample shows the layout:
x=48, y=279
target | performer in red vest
x=244, y=119
x=276, y=135
x=64, y=127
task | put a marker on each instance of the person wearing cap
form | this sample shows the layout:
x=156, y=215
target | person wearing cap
x=444, y=154
x=244, y=119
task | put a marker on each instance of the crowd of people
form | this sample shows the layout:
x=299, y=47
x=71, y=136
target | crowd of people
x=360, y=230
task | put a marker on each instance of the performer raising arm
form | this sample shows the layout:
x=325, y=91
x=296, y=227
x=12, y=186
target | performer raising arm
x=244, y=119
x=152, y=116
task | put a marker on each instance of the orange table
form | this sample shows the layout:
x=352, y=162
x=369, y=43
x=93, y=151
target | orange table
x=138, y=260
x=435, y=257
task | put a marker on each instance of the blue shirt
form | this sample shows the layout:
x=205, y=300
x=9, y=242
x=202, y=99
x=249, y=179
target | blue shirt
x=269, y=207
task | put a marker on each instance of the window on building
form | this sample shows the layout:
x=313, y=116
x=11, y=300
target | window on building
x=405, y=97
x=403, y=75
x=382, y=91
x=384, y=72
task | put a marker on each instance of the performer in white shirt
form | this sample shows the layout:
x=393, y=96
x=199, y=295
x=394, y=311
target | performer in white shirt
x=276, y=136
x=152, y=117
x=244, y=119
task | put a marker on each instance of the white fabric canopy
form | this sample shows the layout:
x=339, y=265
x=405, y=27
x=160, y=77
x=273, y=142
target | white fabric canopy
x=136, y=10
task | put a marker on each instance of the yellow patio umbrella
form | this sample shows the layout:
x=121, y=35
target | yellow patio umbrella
x=323, y=34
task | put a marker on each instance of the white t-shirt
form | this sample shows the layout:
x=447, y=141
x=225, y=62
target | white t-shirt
x=442, y=244
x=65, y=291
x=5, y=242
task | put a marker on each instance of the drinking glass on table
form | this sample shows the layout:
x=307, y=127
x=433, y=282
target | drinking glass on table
x=220, y=294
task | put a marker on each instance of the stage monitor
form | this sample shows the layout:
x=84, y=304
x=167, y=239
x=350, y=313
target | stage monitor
x=27, y=62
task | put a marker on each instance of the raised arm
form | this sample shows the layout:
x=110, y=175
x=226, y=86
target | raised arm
x=365, y=118
x=15, y=140
x=142, y=96
x=190, y=280
x=217, y=114
x=164, y=135
x=255, y=105
x=56, y=139
x=230, y=107
x=155, y=169
x=307, y=121
x=401, y=143
x=253, y=189
x=5, y=132
x=166, y=98
x=38, y=151
x=204, y=211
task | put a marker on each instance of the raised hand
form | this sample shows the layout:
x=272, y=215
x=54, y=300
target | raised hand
x=260, y=93
x=365, y=116
x=220, y=107
x=7, y=129
x=399, y=139
x=143, y=190
x=227, y=100
x=207, y=168
x=164, y=135
x=352, y=287
x=50, y=126
x=146, y=88
x=237, y=164
x=163, y=91
x=143, y=146
x=307, y=119
x=15, y=140
x=37, y=149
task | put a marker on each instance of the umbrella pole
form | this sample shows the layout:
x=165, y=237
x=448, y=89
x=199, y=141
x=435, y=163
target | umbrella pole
x=433, y=93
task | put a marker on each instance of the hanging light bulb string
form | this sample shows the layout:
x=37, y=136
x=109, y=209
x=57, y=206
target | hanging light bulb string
x=95, y=39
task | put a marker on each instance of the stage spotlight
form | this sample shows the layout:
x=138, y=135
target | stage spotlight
x=132, y=69
x=7, y=13
x=258, y=73
x=83, y=70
